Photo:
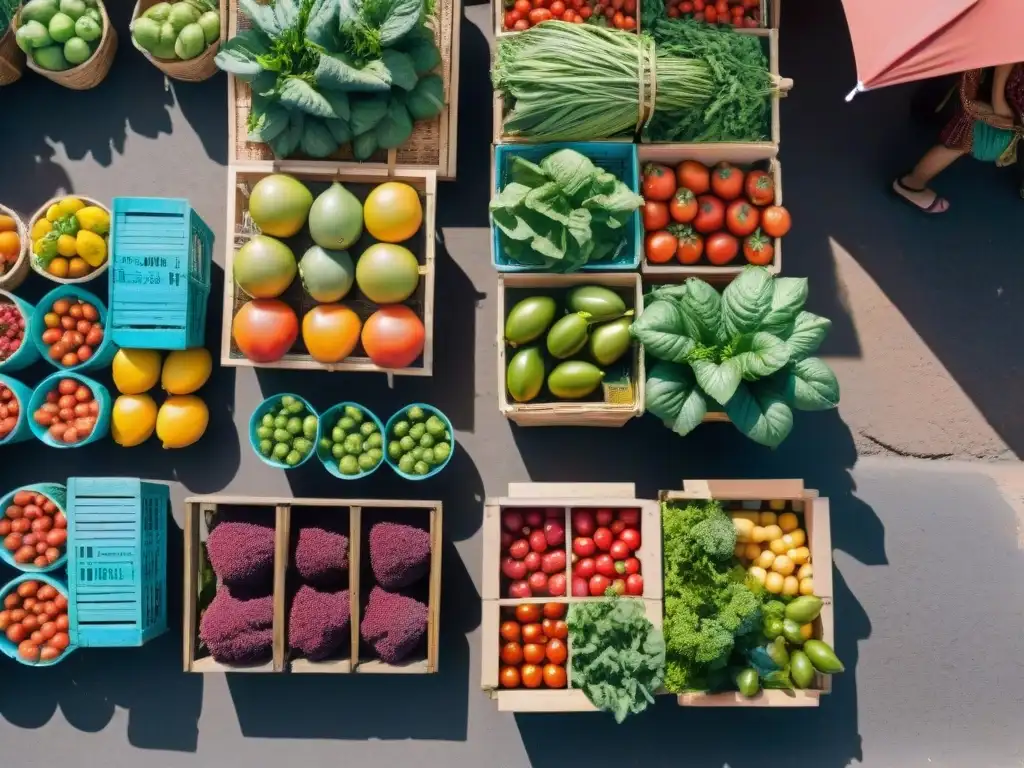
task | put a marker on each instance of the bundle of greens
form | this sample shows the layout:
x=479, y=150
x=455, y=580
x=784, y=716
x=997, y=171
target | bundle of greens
x=7, y=10
x=325, y=73
x=563, y=81
x=562, y=214
x=746, y=350
x=712, y=608
x=618, y=657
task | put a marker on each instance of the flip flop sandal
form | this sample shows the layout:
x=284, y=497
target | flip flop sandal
x=900, y=189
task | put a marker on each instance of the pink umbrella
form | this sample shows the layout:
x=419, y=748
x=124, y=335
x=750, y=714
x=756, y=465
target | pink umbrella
x=896, y=42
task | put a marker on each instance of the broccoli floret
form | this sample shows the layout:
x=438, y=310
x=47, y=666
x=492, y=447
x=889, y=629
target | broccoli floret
x=318, y=622
x=399, y=554
x=321, y=551
x=237, y=628
x=241, y=548
x=393, y=625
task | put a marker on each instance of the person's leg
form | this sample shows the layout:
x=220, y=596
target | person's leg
x=914, y=186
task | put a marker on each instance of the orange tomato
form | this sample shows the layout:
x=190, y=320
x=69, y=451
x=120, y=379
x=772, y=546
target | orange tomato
x=531, y=675
x=554, y=610
x=554, y=676
x=556, y=652
x=528, y=613
x=509, y=677
x=511, y=653
x=330, y=332
x=533, y=653
x=264, y=329
x=533, y=633
x=775, y=221
x=10, y=246
x=559, y=631
x=8, y=224
x=393, y=336
x=510, y=632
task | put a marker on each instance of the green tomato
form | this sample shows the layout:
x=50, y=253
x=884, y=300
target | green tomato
x=292, y=458
x=407, y=443
x=401, y=429
x=441, y=452
x=294, y=425
x=416, y=453
x=325, y=444
x=283, y=436
x=416, y=414
x=77, y=51
x=266, y=446
x=287, y=401
x=375, y=440
x=366, y=462
x=367, y=428
x=73, y=8
x=421, y=468
x=354, y=413
x=376, y=454
x=349, y=465
x=428, y=456
x=395, y=450
x=427, y=441
x=346, y=423
x=302, y=445
x=353, y=445
x=338, y=450
x=32, y=34
x=281, y=450
x=417, y=431
x=772, y=628
x=435, y=426
x=280, y=421
x=210, y=23
x=158, y=12
x=406, y=464
x=338, y=435
x=309, y=427
x=264, y=433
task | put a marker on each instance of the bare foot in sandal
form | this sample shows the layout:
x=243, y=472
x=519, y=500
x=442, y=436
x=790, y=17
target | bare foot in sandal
x=923, y=199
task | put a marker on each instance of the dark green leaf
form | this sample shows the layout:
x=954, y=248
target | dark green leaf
x=703, y=305
x=300, y=95
x=402, y=16
x=317, y=140
x=262, y=16
x=286, y=12
x=660, y=328
x=337, y=73
x=673, y=396
x=426, y=100
x=268, y=124
x=760, y=414
x=746, y=301
x=809, y=330
x=400, y=68
x=339, y=103
x=287, y=142
x=395, y=127
x=526, y=173
x=718, y=380
x=340, y=130
x=322, y=23
x=760, y=355
x=364, y=145
x=238, y=55
x=367, y=111
x=425, y=55
x=788, y=299
x=811, y=385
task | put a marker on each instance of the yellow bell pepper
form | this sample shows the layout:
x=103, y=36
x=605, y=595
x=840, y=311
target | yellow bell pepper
x=91, y=247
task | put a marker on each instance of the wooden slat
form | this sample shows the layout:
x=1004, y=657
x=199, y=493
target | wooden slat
x=191, y=586
x=282, y=526
x=355, y=566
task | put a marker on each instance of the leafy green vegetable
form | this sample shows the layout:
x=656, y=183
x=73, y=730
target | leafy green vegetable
x=618, y=656
x=710, y=608
x=746, y=351
x=563, y=213
x=7, y=10
x=426, y=100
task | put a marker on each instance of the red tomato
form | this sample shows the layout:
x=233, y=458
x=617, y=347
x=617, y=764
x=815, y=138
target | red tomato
x=758, y=249
x=629, y=6
x=631, y=538
x=726, y=180
x=617, y=527
x=556, y=652
x=554, y=676
x=630, y=516
x=710, y=214
x=603, y=539
x=604, y=517
x=690, y=248
x=583, y=546
x=553, y=611
x=698, y=5
x=533, y=518
x=619, y=550
x=632, y=565
x=634, y=584
x=672, y=12
x=710, y=14
x=629, y=23
x=539, y=15
x=553, y=561
x=556, y=584
x=659, y=181
x=265, y=329
x=520, y=25
x=722, y=248
x=583, y=523
x=532, y=653
x=605, y=565
x=532, y=561
x=585, y=12
x=598, y=584
x=775, y=221
x=760, y=188
x=510, y=632
x=660, y=246
x=579, y=587
x=538, y=581
x=683, y=207
x=618, y=20
x=741, y=218
x=522, y=7
x=531, y=675
x=511, y=17
x=509, y=677
x=584, y=568
x=686, y=7
x=538, y=541
x=393, y=336
x=557, y=8
x=511, y=653
x=528, y=613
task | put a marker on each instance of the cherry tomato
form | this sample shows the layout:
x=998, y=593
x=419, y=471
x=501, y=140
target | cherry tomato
x=659, y=182
x=698, y=5
x=617, y=527
x=634, y=584
x=630, y=516
x=512, y=653
x=598, y=584
x=656, y=215
x=672, y=12
x=522, y=7
x=710, y=14
x=629, y=23
x=603, y=539
x=510, y=632
x=632, y=565
x=775, y=221
x=629, y=6
x=533, y=653
x=528, y=613
x=686, y=7
x=585, y=13
x=584, y=568
x=631, y=538
x=619, y=550
x=758, y=249
x=554, y=610
x=531, y=675
x=520, y=25
x=539, y=15
x=559, y=630
x=556, y=652
x=605, y=565
x=583, y=546
x=660, y=247
x=722, y=248
x=554, y=676
x=533, y=633
x=511, y=17
x=509, y=677
x=683, y=207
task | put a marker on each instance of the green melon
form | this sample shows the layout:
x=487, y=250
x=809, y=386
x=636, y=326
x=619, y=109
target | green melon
x=387, y=273
x=279, y=205
x=326, y=275
x=264, y=267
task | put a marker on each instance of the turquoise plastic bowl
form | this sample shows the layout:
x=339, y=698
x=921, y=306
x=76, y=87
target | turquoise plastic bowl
x=9, y=649
x=99, y=392
x=100, y=357
x=23, y=430
x=254, y=423
x=28, y=352
x=431, y=411
x=327, y=421
x=58, y=494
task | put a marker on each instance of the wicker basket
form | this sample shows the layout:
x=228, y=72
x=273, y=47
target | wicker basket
x=41, y=214
x=202, y=67
x=89, y=73
x=15, y=276
x=12, y=58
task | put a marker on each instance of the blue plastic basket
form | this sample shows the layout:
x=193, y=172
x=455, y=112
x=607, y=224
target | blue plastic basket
x=9, y=649
x=101, y=357
x=327, y=421
x=28, y=352
x=117, y=561
x=431, y=411
x=161, y=256
x=99, y=392
x=254, y=423
x=22, y=430
x=618, y=158
x=56, y=493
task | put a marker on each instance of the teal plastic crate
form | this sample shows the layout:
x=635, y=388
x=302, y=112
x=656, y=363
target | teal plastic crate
x=161, y=254
x=117, y=561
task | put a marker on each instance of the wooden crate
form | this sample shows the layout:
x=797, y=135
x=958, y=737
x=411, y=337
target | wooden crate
x=744, y=156
x=239, y=227
x=567, y=496
x=815, y=510
x=571, y=413
x=361, y=513
x=433, y=142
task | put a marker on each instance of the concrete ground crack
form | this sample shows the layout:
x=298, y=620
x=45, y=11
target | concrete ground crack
x=907, y=454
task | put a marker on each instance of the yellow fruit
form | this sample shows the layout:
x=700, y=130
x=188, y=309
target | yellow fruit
x=58, y=267
x=795, y=538
x=77, y=267
x=767, y=518
x=135, y=370
x=66, y=246
x=790, y=586
x=69, y=205
x=53, y=213
x=94, y=219
x=788, y=522
x=778, y=547
x=181, y=421
x=40, y=228
x=757, y=534
x=805, y=572
x=132, y=419
x=806, y=585
x=759, y=574
x=772, y=532
x=751, y=551
x=91, y=247
x=765, y=559
x=774, y=582
x=806, y=631
x=186, y=370
x=777, y=504
x=800, y=555
x=783, y=564
x=7, y=223
x=744, y=529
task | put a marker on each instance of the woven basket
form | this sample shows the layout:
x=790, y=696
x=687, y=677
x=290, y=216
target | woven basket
x=15, y=276
x=90, y=73
x=202, y=67
x=41, y=214
x=12, y=58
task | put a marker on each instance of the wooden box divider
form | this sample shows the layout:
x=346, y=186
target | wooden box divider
x=240, y=178
x=198, y=507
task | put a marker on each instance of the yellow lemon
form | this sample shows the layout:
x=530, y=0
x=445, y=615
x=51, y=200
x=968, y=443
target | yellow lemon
x=69, y=205
x=132, y=419
x=94, y=219
x=186, y=370
x=91, y=247
x=66, y=246
x=181, y=421
x=41, y=228
x=135, y=370
x=53, y=213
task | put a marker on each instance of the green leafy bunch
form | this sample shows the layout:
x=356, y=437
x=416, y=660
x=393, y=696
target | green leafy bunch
x=711, y=607
x=618, y=657
x=7, y=10
x=325, y=73
x=746, y=351
x=563, y=213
